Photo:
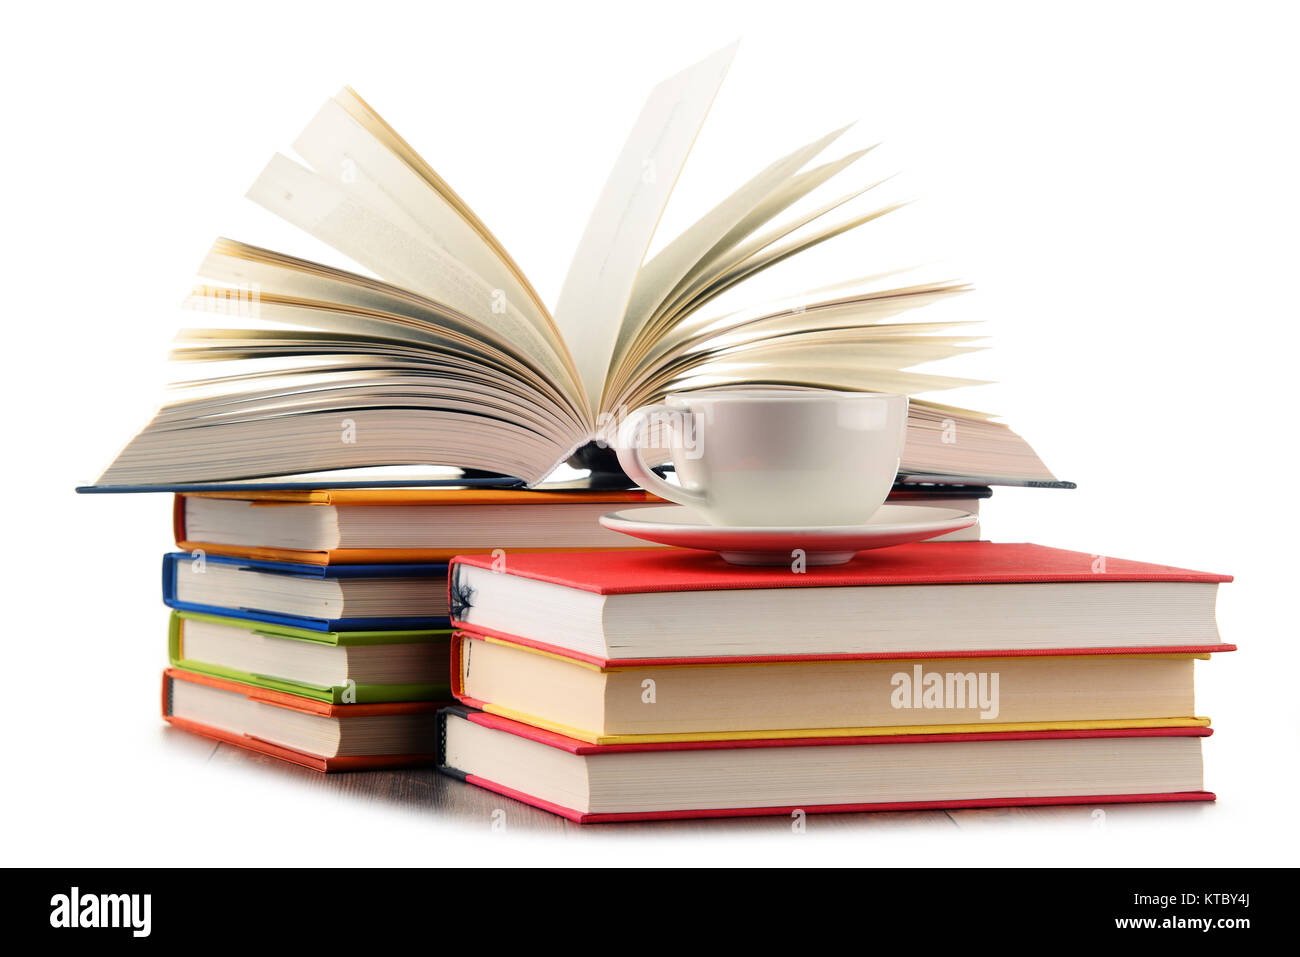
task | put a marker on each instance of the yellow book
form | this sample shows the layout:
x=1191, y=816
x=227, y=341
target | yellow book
x=651, y=703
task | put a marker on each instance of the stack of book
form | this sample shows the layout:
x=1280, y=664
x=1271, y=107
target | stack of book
x=313, y=626
x=645, y=685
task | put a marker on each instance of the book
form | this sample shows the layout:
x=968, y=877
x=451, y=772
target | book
x=380, y=526
x=590, y=783
x=314, y=734
x=446, y=356
x=931, y=599
x=308, y=596
x=338, y=667
x=800, y=699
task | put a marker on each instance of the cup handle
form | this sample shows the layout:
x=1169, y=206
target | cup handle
x=629, y=457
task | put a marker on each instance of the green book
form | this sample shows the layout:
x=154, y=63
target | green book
x=339, y=667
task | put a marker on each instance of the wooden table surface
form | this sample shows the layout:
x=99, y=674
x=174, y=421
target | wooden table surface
x=423, y=789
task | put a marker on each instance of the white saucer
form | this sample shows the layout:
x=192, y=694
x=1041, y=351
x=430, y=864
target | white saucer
x=758, y=545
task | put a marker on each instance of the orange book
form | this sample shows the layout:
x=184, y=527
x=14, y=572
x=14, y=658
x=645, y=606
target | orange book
x=352, y=526
x=304, y=731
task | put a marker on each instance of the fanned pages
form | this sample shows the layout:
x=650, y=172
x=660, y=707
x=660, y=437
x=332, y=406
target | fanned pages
x=609, y=256
x=444, y=358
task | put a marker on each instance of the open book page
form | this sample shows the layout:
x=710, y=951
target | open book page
x=866, y=312
x=389, y=243
x=689, y=251
x=368, y=375
x=325, y=386
x=658, y=305
x=836, y=366
x=333, y=299
x=601, y=278
x=323, y=368
x=363, y=113
x=382, y=171
x=883, y=363
x=733, y=265
x=311, y=401
x=771, y=247
x=945, y=442
x=451, y=429
x=685, y=327
x=375, y=210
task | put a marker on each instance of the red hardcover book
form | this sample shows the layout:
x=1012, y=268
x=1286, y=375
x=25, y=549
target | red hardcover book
x=398, y=734
x=949, y=599
x=589, y=783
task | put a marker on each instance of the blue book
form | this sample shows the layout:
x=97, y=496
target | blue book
x=307, y=485
x=315, y=597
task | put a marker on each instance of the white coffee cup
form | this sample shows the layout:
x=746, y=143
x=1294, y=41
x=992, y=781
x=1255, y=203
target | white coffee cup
x=797, y=458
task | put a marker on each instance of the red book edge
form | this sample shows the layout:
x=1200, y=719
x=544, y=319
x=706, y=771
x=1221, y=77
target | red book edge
x=283, y=699
x=670, y=571
x=578, y=817
x=479, y=632
x=300, y=758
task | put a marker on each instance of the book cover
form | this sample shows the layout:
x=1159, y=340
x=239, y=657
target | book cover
x=924, y=563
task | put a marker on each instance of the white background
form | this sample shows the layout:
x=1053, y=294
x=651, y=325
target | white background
x=1119, y=180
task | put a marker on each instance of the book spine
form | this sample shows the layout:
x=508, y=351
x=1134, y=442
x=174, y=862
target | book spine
x=440, y=756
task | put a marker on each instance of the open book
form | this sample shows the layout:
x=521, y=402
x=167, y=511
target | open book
x=450, y=358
